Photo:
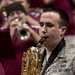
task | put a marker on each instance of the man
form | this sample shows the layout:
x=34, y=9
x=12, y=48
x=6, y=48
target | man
x=58, y=58
x=31, y=19
x=66, y=6
x=16, y=19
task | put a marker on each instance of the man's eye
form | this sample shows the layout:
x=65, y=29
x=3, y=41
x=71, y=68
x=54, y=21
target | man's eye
x=41, y=24
x=11, y=14
x=49, y=25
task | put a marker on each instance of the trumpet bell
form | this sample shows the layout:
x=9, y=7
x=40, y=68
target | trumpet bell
x=23, y=34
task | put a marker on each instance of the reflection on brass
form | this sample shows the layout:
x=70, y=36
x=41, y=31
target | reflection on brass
x=31, y=60
x=22, y=33
x=4, y=11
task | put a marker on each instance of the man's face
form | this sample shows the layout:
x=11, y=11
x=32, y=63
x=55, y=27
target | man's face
x=16, y=15
x=49, y=26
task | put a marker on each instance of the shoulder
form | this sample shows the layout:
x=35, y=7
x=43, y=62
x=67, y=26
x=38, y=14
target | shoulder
x=69, y=50
x=70, y=47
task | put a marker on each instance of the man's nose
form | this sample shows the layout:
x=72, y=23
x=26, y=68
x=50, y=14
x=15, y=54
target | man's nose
x=44, y=29
x=15, y=15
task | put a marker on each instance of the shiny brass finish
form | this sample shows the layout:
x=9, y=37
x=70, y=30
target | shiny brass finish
x=31, y=60
x=4, y=11
x=22, y=32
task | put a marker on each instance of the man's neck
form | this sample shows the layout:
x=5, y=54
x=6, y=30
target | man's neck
x=52, y=47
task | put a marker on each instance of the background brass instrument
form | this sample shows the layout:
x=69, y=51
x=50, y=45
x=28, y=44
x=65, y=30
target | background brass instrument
x=4, y=11
x=31, y=60
x=22, y=33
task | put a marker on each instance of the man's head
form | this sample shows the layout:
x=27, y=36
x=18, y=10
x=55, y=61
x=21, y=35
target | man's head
x=53, y=23
x=14, y=11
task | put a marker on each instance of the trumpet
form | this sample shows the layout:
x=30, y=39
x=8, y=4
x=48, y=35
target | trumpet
x=22, y=33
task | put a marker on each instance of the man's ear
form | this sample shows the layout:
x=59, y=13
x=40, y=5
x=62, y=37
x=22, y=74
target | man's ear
x=63, y=30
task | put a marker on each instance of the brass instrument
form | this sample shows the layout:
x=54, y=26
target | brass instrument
x=4, y=11
x=22, y=33
x=31, y=60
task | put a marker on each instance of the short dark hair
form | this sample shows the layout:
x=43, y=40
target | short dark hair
x=63, y=15
x=15, y=7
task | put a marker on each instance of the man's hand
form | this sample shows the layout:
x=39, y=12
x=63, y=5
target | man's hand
x=13, y=29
